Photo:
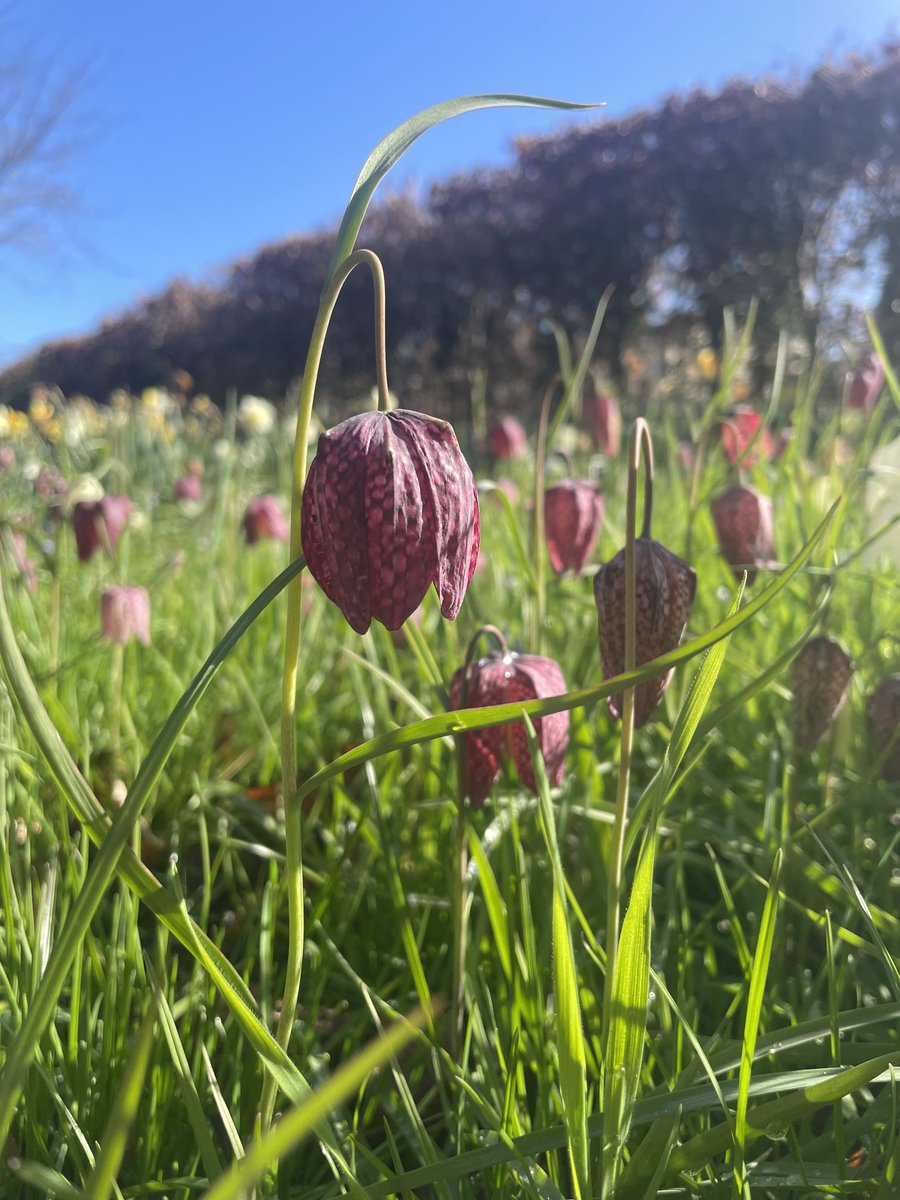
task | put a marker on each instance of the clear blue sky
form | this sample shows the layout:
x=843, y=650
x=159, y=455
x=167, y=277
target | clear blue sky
x=218, y=127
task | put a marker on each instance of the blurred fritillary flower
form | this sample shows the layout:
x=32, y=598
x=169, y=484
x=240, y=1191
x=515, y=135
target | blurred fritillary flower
x=603, y=419
x=738, y=431
x=264, y=520
x=573, y=513
x=743, y=521
x=99, y=522
x=862, y=387
x=820, y=677
x=125, y=614
x=507, y=439
x=883, y=711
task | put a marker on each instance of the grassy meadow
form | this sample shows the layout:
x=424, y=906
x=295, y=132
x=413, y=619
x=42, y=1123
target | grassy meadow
x=254, y=939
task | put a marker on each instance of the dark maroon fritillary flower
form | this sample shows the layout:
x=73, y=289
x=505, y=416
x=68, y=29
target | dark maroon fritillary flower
x=125, y=614
x=390, y=507
x=883, y=711
x=738, y=431
x=664, y=593
x=188, y=487
x=264, y=520
x=99, y=522
x=507, y=439
x=820, y=677
x=573, y=513
x=743, y=521
x=501, y=679
x=862, y=387
x=603, y=419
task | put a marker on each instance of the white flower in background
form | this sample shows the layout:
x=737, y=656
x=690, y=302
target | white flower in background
x=223, y=450
x=156, y=400
x=256, y=415
x=85, y=488
x=883, y=503
x=76, y=426
x=568, y=439
x=137, y=519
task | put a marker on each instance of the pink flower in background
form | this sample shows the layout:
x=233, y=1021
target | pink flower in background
x=99, y=522
x=7, y=458
x=862, y=387
x=507, y=439
x=573, y=513
x=390, y=507
x=125, y=614
x=743, y=521
x=737, y=432
x=664, y=593
x=264, y=520
x=24, y=563
x=603, y=419
x=500, y=679
x=188, y=487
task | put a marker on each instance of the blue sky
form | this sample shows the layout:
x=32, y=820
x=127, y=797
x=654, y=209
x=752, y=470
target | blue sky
x=214, y=128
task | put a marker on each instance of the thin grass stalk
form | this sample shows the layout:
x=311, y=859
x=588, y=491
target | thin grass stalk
x=640, y=445
x=292, y=812
x=540, y=596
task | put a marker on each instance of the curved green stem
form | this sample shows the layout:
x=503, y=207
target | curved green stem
x=540, y=602
x=293, y=831
x=640, y=445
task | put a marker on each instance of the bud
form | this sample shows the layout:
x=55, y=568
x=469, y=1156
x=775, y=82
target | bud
x=507, y=439
x=125, y=614
x=188, y=487
x=884, y=721
x=501, y=679
x=743, y=520
x=665, y=586
x=263, y=520
x=603, y=419
x=99, y=522
x=862, y=387
x=390, y=507
x=820, y=677
x=739, y=430
x=573, y=513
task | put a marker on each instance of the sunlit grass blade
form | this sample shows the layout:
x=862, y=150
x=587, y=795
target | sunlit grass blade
x=647, y=1166
x=303, y=1119
x=759, y=972
x=493, y=901
x=567, y=1007
x=102, y=1179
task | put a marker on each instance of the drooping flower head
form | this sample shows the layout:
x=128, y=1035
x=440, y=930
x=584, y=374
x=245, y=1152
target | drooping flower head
x=502, y=678
x=507, y=439
x=188, y=487
x=883, y=711
x=738, y=431
x=23, y=562
x=862, y=387
x=390, y=507
x=743, y=521
x=264, y=519
x=99, y=522
x=664, y=593
x=573, y=513
x=125, y=614
x=820, y=676
x=603, y=419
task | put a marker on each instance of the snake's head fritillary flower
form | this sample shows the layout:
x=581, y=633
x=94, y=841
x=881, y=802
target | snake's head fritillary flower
x=189, y=487
x=23, y=562
x=7, y=458
x=738, y=431
x=665, y=586
x=820, y=677
x=500, y=679
x=883, y=711
x=264, y=519
x=507, y=439
x=862, y=387
x=573, y=513
x=99, y=522
x=125, y=614
x=390, y=507
x=743, y=521
x=603, y=419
